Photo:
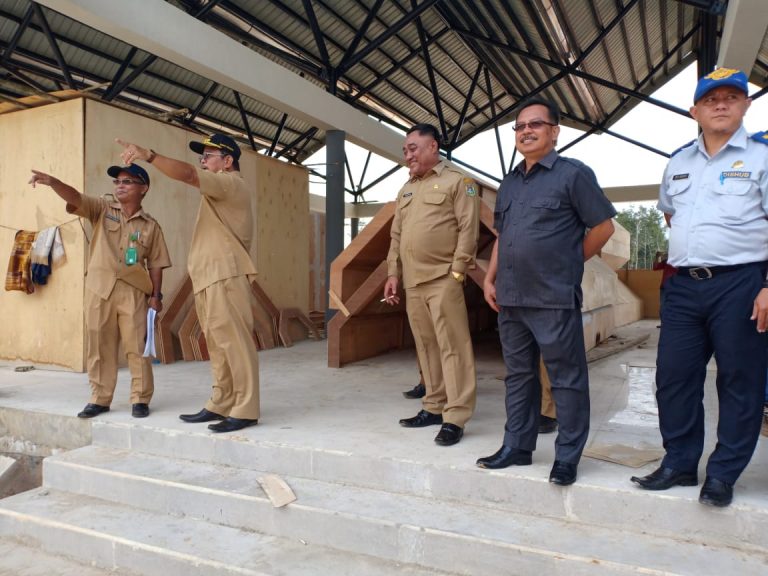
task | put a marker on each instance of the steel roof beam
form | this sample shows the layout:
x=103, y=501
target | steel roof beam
x=320, y=41
x=279, y=131
x=375, y=44
x=19, y=31
x=244, y=118
x=167, y=32
x=203, y=101
x=467, y=102
x=361, y=31
x=431, y=75
x=54, y=46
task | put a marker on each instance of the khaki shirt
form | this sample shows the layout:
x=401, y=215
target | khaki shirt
x=112, y=233
x=221, y=241
x=435, y=227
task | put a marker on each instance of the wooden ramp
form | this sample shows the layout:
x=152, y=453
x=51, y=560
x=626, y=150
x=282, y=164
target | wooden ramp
x=364, y=326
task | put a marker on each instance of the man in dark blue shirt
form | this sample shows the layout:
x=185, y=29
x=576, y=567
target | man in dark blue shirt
x=551, y=216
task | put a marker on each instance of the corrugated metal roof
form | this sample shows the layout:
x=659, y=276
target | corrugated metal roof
x=593, y=57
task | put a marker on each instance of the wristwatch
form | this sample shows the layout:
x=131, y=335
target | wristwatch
x=158, y=295
x=458, y=276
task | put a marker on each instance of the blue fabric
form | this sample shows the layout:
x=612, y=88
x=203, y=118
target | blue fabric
x=702, y=318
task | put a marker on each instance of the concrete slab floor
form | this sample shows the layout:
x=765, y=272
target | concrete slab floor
x=356, y=409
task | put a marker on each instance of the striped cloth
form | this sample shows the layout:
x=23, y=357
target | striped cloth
x=19, y=275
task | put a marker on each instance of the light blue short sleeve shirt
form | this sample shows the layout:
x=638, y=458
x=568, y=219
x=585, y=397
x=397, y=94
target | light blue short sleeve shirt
x=719, y=204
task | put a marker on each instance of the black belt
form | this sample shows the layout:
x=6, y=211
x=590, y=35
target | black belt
x=707, y=272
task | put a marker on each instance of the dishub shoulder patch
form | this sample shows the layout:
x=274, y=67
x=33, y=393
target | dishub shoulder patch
x=683, y=147
x=761, y=137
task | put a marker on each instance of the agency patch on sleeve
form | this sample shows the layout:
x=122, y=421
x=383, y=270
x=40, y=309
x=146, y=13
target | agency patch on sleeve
x=469, y=184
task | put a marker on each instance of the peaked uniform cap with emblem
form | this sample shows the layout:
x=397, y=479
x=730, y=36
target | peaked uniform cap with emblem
x=718, y=78
x=220, y=141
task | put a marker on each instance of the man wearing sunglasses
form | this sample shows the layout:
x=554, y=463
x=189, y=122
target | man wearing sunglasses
x=551, y=216
x=219, y=265
x=125, y=275
x=714, y=195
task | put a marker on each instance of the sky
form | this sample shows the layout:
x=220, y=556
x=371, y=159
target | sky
x=615, y=162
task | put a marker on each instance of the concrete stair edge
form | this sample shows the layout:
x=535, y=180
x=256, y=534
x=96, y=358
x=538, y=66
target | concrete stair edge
x=674, y=514
x=198, y=548
x=362, y=520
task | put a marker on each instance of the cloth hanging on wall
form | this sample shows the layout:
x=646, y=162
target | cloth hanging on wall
x=47, y=251
x=19, y=275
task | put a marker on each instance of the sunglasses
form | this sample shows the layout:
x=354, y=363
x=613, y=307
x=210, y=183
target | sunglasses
x=125, y=181
x=534, y=125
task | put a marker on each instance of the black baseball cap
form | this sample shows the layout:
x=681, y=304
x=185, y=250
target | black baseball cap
x=132, y=169
x=219, y=141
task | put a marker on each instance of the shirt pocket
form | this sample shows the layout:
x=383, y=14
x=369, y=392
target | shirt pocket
x=545, y=213
x=733, y=198
x=434, y=198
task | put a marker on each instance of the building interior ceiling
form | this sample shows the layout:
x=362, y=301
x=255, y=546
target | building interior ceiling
x=462, y=65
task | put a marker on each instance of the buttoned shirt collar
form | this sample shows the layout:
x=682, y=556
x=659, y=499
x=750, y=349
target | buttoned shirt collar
x=737, y=140
x=547, y=162
x=436, y=169
x=138, y=214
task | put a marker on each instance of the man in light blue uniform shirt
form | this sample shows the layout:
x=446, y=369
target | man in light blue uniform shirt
x=714, y=196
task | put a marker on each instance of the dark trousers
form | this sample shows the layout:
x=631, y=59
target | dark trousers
x=701, y=318
x=558, y=336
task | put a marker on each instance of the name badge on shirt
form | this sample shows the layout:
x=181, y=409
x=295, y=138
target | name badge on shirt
x=734, y=174
x=113, y=218
x=680, y=176
x=407, y=195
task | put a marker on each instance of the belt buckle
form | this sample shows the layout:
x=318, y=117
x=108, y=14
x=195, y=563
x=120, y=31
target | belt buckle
x=700, y=273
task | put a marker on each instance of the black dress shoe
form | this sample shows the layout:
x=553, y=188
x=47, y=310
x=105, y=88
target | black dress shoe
x=423, y=418
x=563, y=473
x=140, y=410
x=230, y=424
x=92, y=410
x=664, y=478
x=547, y=425
x=506, y=457
x=449, y=435
x=202, y=416
x=418, y=391
x=715, y=492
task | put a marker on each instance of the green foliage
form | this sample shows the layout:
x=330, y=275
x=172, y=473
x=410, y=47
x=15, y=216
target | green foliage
x=648, y=235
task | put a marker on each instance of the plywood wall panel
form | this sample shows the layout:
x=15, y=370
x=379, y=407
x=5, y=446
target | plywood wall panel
x=44, y=328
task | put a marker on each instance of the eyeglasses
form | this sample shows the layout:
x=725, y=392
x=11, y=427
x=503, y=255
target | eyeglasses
x=205, y=155
x=533, y=125
x=125, y=181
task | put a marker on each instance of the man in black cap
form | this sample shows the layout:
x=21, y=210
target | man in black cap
x=125, y=275
x=219, y=266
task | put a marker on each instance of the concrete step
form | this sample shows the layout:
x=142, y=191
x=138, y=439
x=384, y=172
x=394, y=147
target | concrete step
x=130, y=540
x=418, y=530
x=593, y=502
x=18, y=558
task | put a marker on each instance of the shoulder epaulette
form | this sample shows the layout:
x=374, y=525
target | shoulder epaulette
x=683, y=147
x=761, y=137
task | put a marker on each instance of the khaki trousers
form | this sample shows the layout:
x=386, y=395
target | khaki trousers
x=224, y=310
x=547, y=403
x=438, y=317
x=122, y=318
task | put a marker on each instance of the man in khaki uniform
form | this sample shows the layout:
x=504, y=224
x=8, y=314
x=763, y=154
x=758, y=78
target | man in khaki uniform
x=434, y=240
x=219, y=266
x=125, y=267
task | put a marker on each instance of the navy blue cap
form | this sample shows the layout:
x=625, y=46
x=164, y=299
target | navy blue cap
x=220, y=141
x=133, y=169
x=721, y=77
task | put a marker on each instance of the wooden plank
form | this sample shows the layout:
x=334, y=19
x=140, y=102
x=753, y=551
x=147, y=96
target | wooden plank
x=335, y=302
x=289, y=314
x=168, y=317
x=185, y=332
